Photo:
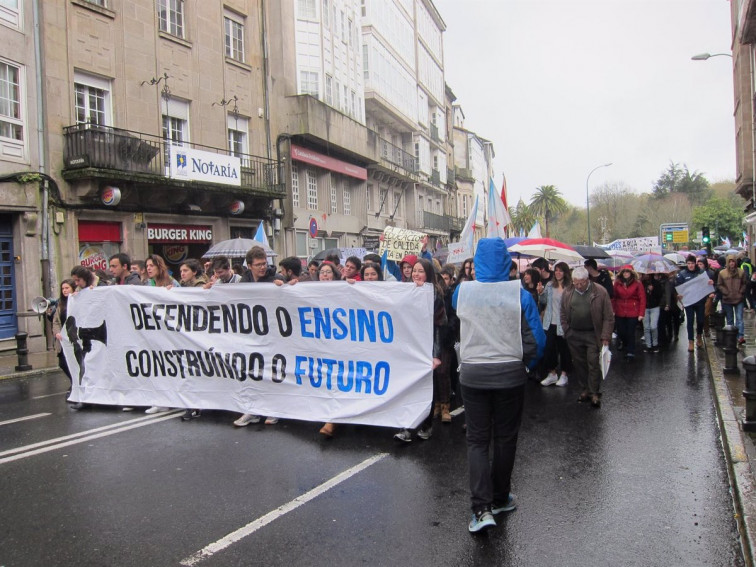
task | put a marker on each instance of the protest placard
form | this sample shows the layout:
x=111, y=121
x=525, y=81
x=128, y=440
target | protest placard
x=319, y=351
x=398, y=242
x=694, y=290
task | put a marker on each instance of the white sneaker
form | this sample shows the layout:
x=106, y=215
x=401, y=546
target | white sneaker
x=246, y=419
x=271, y=421
x=552, y=378
x=127, y=408
x=156, y=409
x=562, y=380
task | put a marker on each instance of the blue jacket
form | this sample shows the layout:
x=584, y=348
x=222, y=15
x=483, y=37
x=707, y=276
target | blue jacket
x=492, y=262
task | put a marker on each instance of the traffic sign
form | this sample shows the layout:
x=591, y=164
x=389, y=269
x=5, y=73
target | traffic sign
x=313, y=228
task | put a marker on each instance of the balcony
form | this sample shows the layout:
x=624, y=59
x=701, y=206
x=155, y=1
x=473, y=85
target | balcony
x=451, y=176
x=435, y=178
x=434, y=134
x=397, y=156
x=97, y=152
x=432, y=221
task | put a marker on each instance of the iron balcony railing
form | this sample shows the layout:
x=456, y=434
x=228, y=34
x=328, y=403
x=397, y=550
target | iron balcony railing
x=104, y=147
x=397, y=156
x=434, y=133
x=435, y=178
x=432, y=221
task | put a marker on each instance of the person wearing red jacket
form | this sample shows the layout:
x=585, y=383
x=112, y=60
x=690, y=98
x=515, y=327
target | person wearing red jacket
x=629, y=304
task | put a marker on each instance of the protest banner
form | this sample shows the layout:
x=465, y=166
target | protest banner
x=398, y=242
x=695, y=289
x=319, y=351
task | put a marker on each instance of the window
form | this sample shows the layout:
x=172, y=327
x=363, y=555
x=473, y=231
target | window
x=326, y=12
x=175, y=125
x=329, y=90
x=306, y=10
x=383, y=203
x=369, y=197
x=309, y=83
x=302, y=250
x=395, y=209
x=365, y=60
x=343, y=27
x=237, y=137
x=171, y=16
x=438, y=207
x=10, y=12
x=91, y=100
x=334, y=202
x=338, y=96
x=347, y=200
x=354, y=104
x=312, y=190
x=234, y=38
x=11, y=123
x=364, y=9
x=294, y=186
x=351, y=35
x=420, y=203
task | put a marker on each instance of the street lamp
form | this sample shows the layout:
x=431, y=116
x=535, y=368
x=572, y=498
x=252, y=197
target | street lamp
x=705, y=56
x=588, y=201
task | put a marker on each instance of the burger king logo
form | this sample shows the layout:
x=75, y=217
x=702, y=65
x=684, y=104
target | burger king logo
x=93, y=257
x=236, y=208
x=110, y=196
x=176, y=253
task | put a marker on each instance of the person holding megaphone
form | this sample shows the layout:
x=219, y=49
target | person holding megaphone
x=58, y=323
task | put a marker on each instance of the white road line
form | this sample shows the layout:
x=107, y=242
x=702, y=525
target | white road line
x=35, y=416
x=233, y=537
x=81, y=437
x=50, y=395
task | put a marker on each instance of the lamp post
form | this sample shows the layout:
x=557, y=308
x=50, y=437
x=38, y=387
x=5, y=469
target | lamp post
x=588, y=200
x=705, y=56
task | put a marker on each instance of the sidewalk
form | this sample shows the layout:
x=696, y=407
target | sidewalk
x=739, y=446
x=41, y=363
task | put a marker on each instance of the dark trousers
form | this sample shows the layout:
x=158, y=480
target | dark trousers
x=698, y=310
x=557, y=353
x=491, y=414
x=585, y=359
x=626, y=332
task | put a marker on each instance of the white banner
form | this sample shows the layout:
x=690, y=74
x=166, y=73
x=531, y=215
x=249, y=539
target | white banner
x=320, y=351
x=196, y=165
x=694, y=290
x=641, y=244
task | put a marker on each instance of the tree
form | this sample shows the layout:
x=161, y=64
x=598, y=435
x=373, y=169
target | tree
x=678, y=179
x=547, y=203
x=614, y=209
x=723, y=218
x=522, y=217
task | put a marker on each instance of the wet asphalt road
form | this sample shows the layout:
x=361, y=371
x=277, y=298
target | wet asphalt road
x=641, y=481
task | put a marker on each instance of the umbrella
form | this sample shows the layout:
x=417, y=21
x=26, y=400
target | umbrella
x=591, y=252
x=714, y=264
x=320, y=256
x=653, y=264
x=546, y=248
x=236, y=248
x=721, y=247
x=675, y=257
x=613, y=263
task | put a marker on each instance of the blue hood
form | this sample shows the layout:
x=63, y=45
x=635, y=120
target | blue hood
x=492, y=260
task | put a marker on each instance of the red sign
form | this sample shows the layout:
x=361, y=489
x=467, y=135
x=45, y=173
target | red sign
x=326, y=162
x=313, y=228
x=179, y=233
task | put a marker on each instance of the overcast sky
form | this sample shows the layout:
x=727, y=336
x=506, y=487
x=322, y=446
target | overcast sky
x=561, y=86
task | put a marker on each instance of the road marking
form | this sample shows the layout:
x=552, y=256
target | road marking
x=209, y=550
x=50, y=395
x=82, y=437
x=35, y=416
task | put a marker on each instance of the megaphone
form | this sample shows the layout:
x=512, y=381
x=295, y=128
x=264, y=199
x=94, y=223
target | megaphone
x=39, y=305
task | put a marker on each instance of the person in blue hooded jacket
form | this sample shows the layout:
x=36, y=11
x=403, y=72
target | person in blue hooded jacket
x=500, y=334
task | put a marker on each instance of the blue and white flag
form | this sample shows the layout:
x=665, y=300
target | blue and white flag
x=260, y=234
x=535, y=231
x=465, y=248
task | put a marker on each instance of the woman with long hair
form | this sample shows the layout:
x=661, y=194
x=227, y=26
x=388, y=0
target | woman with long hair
x=158, y=276
x=629, y=305
x=654, y=286
x=371, y=272
x=192, y=273
x=530, y=280
x=422, y=273
x=67, y=288
x=557, y=355
x=157, y=272
x=466, y=272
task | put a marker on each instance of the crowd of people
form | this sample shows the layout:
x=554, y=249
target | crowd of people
x=567, y=316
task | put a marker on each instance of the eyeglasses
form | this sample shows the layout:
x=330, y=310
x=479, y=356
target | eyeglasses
x=259, y=265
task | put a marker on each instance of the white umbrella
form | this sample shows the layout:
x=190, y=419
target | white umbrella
x=675, y=257
x=546, y=248
x=236, y=248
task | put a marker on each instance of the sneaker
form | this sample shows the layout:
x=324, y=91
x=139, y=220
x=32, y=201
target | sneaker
x=510, y=505
x=156, y=409
x=741, y=341
x=655, y=349
x=562, y=381
x=246, y=419
x=404, y=436
x=425, y=433
x=629, y=355
x=481, y=521
x=127, y=408
x=271, y=421
x=77, y=406
x=190, y=414
x=552, y=378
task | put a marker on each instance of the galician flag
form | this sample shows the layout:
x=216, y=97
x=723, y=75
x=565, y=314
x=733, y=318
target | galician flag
x=465, y=248
x=498, y=217
x=260, y=234
x=535, y=231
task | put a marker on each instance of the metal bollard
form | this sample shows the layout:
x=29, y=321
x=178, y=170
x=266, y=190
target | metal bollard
x=749, y=419
x=717, y=323
x=731, y=350
x=23, y=352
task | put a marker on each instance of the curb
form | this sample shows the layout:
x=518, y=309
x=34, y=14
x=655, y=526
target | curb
x=28, y=373
x=738, y=467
